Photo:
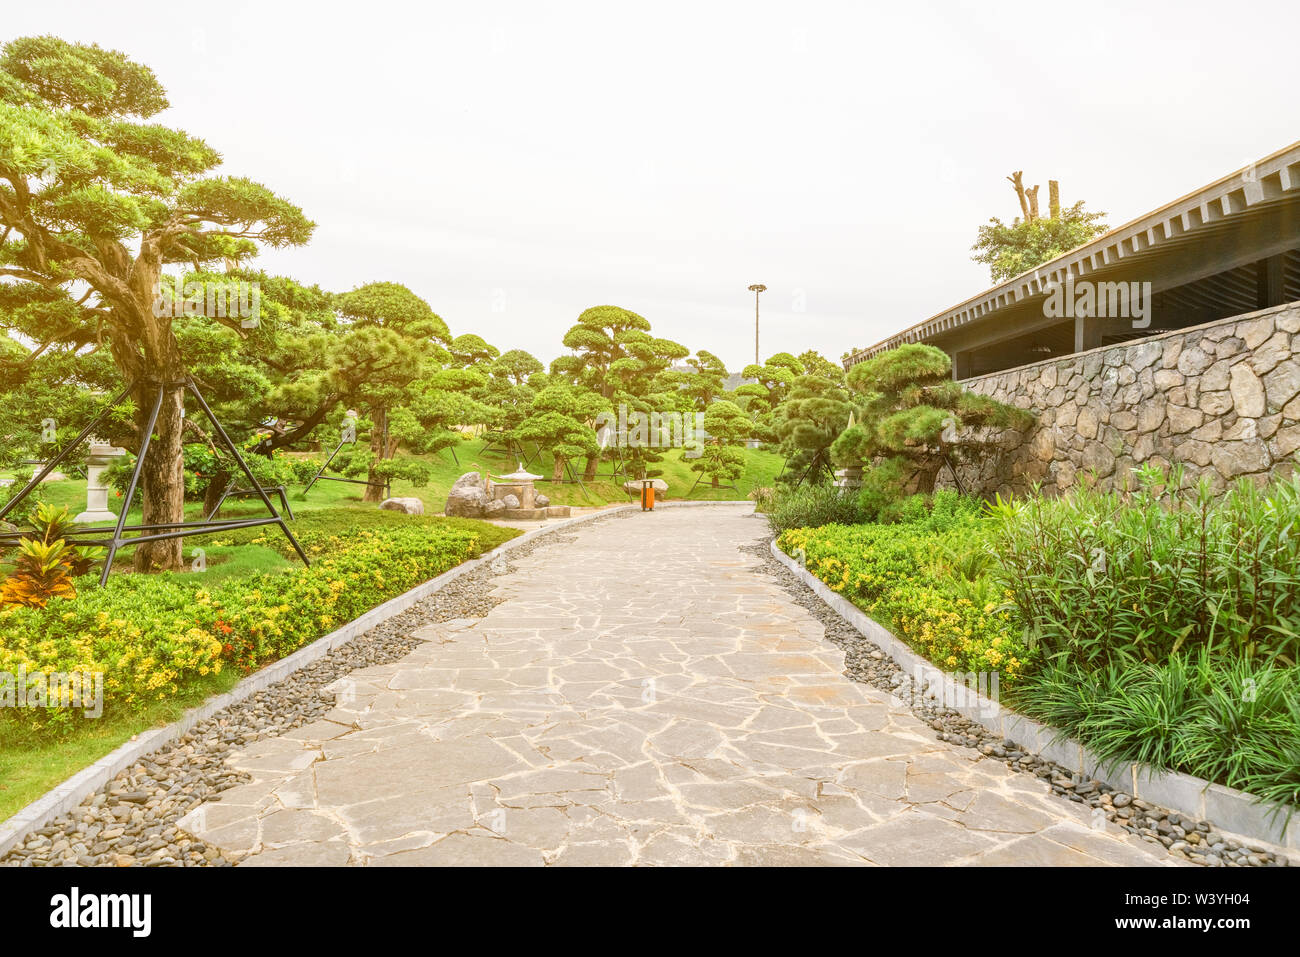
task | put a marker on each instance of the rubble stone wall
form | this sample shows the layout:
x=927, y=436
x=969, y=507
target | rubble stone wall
x=1223, y=399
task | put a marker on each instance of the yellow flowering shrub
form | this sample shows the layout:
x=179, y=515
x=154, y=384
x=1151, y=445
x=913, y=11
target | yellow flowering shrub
x=925, y=584
x=152, y=635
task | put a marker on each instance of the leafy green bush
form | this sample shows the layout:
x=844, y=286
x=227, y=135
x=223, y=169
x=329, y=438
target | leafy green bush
x=358, y=461
x=302, y=467
x=152, y=635
x=810, y=506
x=202, y=466
x=1121, y=577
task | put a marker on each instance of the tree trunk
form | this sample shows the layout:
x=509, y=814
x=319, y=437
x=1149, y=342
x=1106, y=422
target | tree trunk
x=922, y=475
x=557, y=472
x=382, y=447
x=589, y=473
x=1017, y=181
x=162, y=479
x=290, y=436
x=212, y=494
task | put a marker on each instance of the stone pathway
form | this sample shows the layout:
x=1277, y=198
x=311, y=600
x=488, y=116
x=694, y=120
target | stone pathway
x=640, y=697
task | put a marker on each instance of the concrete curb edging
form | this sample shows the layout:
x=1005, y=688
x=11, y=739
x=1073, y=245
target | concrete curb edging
x=1232, y=812
x=68, y=795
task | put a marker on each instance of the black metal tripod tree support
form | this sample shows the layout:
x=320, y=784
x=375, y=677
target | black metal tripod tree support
x=700, y=479
x=320, y=476
x=157, y=531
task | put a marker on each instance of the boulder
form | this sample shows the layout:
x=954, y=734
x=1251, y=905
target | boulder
x=1240, y=458
x=469, y=480
x=510, y=501
x=1248, y=398
x=410, y=505
x=634, y=486
x=468, y=497
x=493, y=508
x=542, y=501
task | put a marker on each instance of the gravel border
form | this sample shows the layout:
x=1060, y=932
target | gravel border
x=1183, y=836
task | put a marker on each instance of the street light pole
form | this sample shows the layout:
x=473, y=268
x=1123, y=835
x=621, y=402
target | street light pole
x=756, y=289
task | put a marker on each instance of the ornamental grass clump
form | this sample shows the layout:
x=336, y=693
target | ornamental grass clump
x=1232, y=721
x=1120, y=577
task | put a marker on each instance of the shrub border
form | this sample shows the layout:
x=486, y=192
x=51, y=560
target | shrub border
x=1232, y=812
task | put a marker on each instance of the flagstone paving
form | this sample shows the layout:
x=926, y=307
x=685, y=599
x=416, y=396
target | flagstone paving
x=641, y=696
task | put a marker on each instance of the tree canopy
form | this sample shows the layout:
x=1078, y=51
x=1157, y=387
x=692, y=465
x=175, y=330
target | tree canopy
x=910, y=417
x=1030, y=240
x=95, y=203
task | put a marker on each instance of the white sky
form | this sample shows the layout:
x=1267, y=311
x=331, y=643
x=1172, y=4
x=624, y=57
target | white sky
x=515, y=162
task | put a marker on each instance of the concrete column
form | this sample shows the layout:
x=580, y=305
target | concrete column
x=1269, y=287
x=1087, y=334
x=961, y=364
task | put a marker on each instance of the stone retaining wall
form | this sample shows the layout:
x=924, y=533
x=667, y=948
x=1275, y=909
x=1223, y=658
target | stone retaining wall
x=1223, y=399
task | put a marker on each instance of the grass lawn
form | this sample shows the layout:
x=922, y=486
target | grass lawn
x=761, y=468
x=30, y=767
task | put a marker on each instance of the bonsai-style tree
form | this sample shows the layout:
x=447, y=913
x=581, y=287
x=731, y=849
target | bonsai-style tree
x=813, y=414
x=704, y=381
x=723, y=456
x=560, y=421
x=911, y=418
x=615, y=356
x=395, y=343
x=775, y=378
x=470, y=349
x=294, y=354
x=814, y=363
x=94, y=204
x=506, y=393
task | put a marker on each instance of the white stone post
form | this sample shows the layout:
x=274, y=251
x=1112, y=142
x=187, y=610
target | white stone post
x=98, y=459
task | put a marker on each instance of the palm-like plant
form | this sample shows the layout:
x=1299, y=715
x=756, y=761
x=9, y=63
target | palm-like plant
x=40, y=573
x=46, y=563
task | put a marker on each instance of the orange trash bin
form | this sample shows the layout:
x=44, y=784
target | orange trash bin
x=647, y=496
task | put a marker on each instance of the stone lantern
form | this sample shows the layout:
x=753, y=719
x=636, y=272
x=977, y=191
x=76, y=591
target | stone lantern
x=519, y=484
x=99, y=458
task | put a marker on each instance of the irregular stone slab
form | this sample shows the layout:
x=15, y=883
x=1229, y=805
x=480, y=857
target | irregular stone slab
x=917, y=840
x=463, y=850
